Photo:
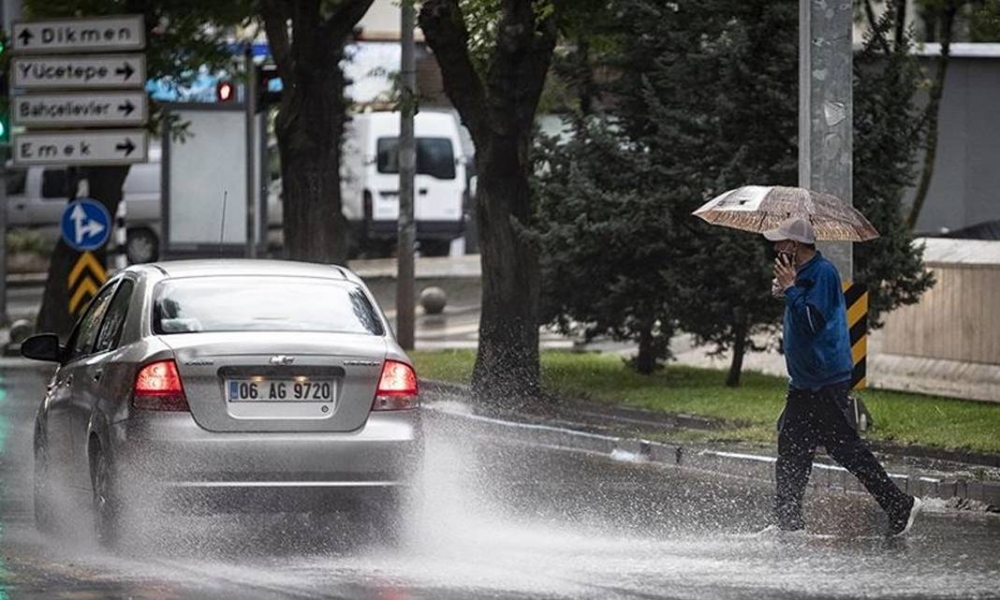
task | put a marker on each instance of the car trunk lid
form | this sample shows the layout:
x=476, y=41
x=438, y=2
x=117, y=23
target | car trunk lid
x=279, y=381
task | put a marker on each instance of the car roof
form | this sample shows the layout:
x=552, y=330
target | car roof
x=248, y=267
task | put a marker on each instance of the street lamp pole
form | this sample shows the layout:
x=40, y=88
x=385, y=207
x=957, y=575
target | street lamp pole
x=407, y=171
x=826, y=109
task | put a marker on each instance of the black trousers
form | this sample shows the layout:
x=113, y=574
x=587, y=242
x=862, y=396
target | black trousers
x=813, y=418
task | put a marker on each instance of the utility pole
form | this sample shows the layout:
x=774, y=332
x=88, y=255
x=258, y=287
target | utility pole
x=407, y=171
x=250, y=102
x=9, y=11
x=826, y=109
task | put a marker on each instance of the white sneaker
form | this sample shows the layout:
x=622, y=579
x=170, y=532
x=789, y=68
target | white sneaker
x=900, y=525
x=775, y=532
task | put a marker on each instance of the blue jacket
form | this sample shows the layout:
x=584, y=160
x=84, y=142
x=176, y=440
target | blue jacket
x=817, y=342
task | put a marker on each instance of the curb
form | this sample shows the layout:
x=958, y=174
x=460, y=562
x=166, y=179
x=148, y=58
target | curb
x=971, y=495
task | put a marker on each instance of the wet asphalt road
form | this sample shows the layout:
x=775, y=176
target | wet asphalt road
x=500, y=518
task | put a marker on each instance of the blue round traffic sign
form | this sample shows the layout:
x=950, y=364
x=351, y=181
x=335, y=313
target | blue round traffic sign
x=86, y=224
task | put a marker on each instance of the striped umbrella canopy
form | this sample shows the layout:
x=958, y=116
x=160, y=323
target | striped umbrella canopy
x=757, y=208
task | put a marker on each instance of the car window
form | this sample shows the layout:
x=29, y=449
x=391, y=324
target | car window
x=435, y=157
x=236, y=303
x=114, y=321
x=55, y=184
x=15, y=181
x=83, y=338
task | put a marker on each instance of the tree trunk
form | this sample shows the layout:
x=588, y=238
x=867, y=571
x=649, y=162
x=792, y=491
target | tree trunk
x=933, y=108
x=739, y=351
x=55, y=316
x=506, y=369
x=498, y=106
x=308, y=48
x=645, y=362
x=309, y=128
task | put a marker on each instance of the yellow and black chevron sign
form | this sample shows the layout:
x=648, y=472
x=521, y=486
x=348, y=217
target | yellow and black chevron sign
x=856, y=297
x=85, y=278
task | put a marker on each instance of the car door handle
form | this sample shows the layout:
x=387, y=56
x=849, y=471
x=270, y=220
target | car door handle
x=423, y=191
x=69, y=380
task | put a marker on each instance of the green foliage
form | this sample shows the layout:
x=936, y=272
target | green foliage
x=984, y=24
x=605, y=268
x=888, y=135
x=705, y=102
x=748, y=412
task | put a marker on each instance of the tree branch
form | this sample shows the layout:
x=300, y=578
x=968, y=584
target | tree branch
x=275, y=15
x=876, y=27
x=444, y=27
x=520, y=62
x=340, y=25
x=933, y=108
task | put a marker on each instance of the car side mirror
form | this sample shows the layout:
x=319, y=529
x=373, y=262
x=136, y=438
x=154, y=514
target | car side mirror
x=44, y=346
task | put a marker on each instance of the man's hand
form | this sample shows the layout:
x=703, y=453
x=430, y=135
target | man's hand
x=784, y=272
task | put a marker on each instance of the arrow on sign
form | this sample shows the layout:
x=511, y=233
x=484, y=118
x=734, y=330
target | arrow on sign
x=82, y=226
x=127, y=146
x=87, y=261
x=125, y=70
x=93, y=275
x=127, y=108
x=25, y=37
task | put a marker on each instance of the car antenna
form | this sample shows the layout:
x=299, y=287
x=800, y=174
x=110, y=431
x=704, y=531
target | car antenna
x=222, y=233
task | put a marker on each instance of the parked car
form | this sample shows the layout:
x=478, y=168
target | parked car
x=226, y=386
x=36, y=199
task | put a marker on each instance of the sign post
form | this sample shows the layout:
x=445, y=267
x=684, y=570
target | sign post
x=81, y=99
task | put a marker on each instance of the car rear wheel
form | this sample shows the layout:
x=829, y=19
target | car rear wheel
x=44, y=517
x=105, y=505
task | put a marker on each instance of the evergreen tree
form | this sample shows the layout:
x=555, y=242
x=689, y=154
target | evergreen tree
x=706, y=100
x=888, y=134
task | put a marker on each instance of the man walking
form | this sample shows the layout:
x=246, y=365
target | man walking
x=818, y=356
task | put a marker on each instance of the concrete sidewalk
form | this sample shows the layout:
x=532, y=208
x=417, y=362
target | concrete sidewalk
x=622, y=433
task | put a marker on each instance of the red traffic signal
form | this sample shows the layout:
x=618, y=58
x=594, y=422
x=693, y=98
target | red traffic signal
x=225, y=91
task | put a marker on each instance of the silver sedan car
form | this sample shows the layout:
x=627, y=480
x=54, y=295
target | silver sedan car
x=226, y=386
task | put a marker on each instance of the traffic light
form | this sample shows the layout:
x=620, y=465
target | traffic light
x=225, y=91
x=269, y=86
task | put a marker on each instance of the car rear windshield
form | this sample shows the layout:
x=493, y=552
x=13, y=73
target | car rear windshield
x=434, y=157
x=217, y=304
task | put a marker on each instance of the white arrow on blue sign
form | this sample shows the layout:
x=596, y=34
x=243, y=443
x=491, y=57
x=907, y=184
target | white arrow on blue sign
x=86, y=224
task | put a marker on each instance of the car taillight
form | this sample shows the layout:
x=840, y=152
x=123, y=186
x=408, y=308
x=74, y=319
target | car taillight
x=397, y=387
x=158, y=387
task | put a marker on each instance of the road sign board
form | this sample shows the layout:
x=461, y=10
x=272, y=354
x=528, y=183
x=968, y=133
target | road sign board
x=85, y=278
x=79, y=72
x=97, y=34
x=100, y=147
x=82, y=109
x=86, y=224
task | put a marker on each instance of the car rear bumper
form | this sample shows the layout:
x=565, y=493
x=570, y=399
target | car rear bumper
x=171, y=454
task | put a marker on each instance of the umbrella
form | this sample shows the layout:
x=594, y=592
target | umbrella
x=758, y=208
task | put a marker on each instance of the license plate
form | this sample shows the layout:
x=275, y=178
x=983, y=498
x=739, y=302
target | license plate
x=279, y=390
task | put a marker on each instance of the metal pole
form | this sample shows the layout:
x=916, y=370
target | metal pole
x=3, y=228
x=826, y=109
x=407, y=171
x=250, y=101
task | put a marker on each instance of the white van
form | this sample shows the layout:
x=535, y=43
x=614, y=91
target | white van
x=36, y=199
x=370, y=180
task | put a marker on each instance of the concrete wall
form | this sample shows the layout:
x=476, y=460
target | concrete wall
x=949, y=342
x=965, y=189
x=958, y=319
